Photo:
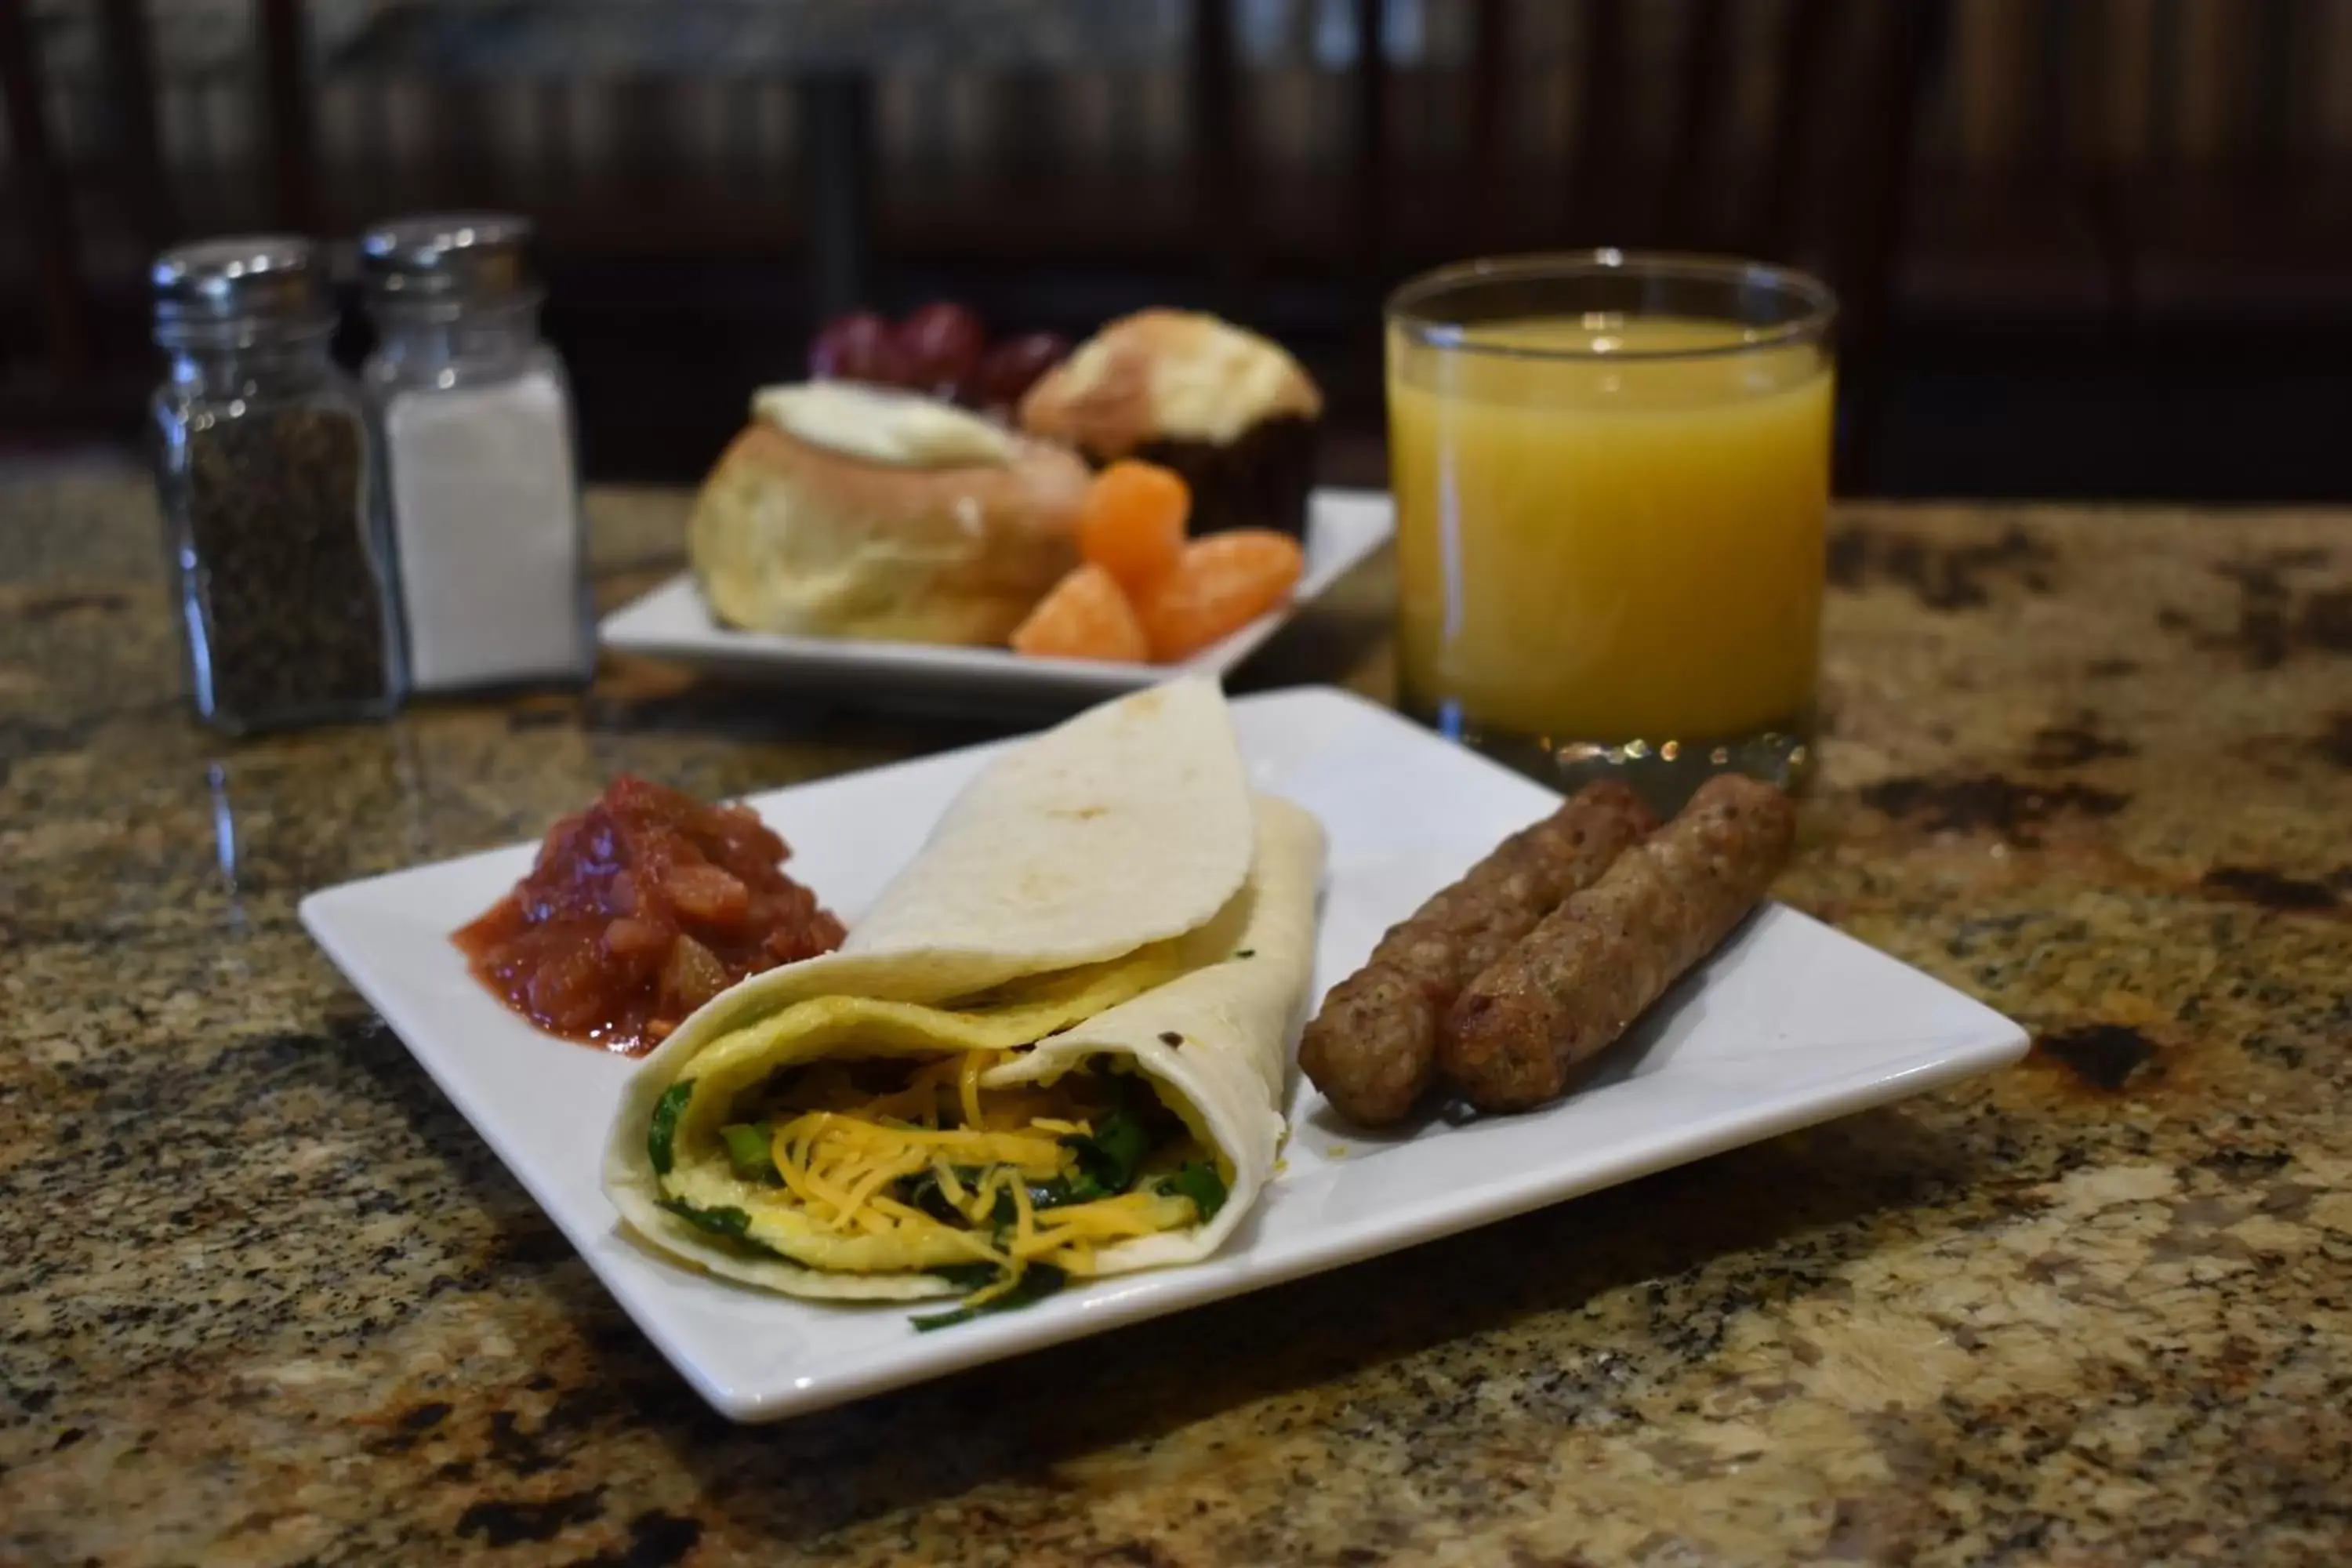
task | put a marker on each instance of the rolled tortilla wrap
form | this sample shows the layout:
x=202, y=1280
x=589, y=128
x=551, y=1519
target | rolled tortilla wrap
x=1180, y=1025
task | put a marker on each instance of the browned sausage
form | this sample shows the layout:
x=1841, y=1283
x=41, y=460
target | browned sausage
x=1372, y=1049
x=1521, y=1032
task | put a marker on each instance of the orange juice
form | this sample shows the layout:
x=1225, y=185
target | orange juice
x=1610, y=528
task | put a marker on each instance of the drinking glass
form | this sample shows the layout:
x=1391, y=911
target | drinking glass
x=1611, y=478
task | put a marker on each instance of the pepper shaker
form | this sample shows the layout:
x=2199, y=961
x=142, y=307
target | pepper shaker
x=474, y=413
x=264, y=469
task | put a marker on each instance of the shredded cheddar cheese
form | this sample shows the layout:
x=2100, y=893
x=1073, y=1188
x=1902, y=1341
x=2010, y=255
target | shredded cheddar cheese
x=841, y=1164
x=968, y=1086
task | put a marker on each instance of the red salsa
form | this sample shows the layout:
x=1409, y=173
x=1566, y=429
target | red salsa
x=639, y=910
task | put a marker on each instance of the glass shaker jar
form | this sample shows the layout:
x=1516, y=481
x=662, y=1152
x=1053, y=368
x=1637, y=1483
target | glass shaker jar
x=474, y=415
x=264, y=466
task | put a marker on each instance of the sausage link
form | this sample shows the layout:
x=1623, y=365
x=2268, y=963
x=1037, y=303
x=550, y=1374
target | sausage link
x=1519, y=1033
x=1372, y=1048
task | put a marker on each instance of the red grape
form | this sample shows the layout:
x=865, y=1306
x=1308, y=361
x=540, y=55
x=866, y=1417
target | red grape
x=859, y=347
x=942, y=345
x=1013, y=366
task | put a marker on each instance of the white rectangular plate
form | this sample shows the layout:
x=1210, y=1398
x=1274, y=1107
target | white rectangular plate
x=1791, y=1023
x=673, y=623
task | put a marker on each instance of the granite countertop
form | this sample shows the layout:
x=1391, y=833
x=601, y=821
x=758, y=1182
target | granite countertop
x=264, y=1296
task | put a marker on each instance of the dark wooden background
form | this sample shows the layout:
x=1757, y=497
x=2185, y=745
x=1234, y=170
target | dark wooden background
x=2086, y=246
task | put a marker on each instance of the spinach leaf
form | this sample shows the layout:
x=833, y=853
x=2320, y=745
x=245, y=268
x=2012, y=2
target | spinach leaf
x=922, y=1191
x=1108, y=1159
x=966, y=1277
x=661, y=1134
x=1197, y=1179
x=727, y=1221
x=750, y=1148
x=1039, y=1282
x=1050, y=1194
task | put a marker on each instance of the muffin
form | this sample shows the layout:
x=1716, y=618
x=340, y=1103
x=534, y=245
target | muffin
x=1227, y=409
x=850, y=511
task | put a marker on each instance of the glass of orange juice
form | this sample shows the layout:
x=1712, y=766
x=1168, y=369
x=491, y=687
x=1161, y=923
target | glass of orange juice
x=1611, y=477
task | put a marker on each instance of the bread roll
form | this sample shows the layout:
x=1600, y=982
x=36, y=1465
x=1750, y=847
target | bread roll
x=850, y=511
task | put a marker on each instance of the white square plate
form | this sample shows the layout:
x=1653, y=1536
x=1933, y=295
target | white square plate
x=672, y=622
x=1791, y=1023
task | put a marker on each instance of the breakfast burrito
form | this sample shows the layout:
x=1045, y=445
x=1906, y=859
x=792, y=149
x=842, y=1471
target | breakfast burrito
x=1057, y=1046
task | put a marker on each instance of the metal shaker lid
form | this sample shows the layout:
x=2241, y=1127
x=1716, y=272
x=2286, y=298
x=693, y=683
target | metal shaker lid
x=447, y=256
x=239, y=280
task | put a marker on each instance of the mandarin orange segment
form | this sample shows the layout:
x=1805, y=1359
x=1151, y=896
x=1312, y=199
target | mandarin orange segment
x=1133, y=524
x=1086, y=616
x=1220, y=585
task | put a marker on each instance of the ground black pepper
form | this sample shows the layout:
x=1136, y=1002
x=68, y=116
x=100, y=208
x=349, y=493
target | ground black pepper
x=292, y=614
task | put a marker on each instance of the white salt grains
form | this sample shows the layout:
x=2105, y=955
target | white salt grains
x=487, y=527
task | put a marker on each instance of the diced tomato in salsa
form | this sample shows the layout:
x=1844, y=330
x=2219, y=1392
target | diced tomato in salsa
x=639, y=910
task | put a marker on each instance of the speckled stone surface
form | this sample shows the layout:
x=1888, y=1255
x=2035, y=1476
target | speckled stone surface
x=264, y=1298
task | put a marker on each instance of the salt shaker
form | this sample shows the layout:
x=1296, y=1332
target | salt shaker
x=264, y=469
x=480, y=484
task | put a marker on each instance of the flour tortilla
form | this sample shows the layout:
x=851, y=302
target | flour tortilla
x=1092, y=891
x=1127, y=824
